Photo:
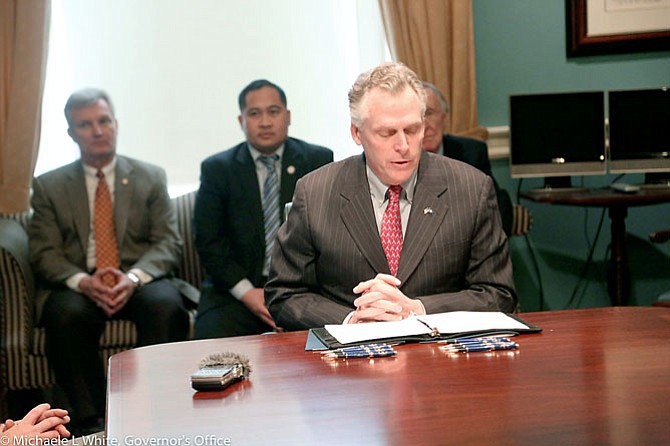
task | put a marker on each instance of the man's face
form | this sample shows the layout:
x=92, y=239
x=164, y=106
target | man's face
x=391, y=134
x=265, y=119
x=436, y=122
x=94, y=129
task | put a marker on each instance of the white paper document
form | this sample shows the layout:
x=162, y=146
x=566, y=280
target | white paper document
x=446, y=323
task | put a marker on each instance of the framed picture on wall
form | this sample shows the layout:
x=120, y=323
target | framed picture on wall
x=596, y=27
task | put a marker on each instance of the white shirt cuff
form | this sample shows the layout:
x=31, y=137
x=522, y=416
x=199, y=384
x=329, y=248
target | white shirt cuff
x=73, y=281
x=144, y=277
x=348, y=318
x=242, y=288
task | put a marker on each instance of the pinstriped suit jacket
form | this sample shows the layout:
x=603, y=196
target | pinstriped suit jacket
x=455, y=254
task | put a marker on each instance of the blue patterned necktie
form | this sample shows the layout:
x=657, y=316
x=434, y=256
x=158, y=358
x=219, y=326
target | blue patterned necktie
x=270, y=205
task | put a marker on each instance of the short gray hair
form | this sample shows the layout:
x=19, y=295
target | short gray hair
x=84, y=98
x=392, y=77
x=443, y=101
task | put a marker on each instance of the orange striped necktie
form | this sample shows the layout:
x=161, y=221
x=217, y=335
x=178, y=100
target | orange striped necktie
x=106, y=249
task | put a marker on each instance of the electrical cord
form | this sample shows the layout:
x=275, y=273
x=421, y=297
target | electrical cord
x=585, y=267
x=533, y=256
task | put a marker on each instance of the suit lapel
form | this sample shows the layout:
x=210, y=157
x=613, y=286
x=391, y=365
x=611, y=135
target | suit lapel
x=292, y=166
x=428, y=212
x=124, y=185
x=358, y=216
x=246, y=185
x=426, y=217
x=78, y=201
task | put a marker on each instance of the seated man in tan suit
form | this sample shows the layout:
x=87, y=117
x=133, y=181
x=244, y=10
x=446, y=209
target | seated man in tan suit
x=104, y=241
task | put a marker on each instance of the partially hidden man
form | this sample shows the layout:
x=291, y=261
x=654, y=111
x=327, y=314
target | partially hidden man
x=104, y=240
x=436, y=139
x=393, y=232
x=240, y=206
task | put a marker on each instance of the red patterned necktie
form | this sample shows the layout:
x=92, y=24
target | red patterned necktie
x=391, y=231
x=106, y=250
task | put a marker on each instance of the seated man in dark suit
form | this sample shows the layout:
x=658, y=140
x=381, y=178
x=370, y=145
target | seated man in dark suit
x=392, y=232
x=238, y=210
x=469, y=150
x=104, y=240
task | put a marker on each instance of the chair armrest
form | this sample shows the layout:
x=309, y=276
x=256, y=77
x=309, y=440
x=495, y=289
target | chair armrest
x=15, y=271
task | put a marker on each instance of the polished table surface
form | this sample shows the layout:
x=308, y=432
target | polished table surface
x=593, y=376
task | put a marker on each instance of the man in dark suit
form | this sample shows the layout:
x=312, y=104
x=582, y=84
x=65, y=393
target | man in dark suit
x=469, y=150
x=67, y=254
x=394, y=232
x=230, y=225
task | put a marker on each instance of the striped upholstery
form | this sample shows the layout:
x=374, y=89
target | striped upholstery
x=522, y=220
x=23, y=361
x=190, y=269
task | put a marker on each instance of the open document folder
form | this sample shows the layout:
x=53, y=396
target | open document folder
x=423, y=328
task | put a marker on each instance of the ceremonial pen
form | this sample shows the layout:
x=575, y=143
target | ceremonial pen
x=474, y=340
x=478, y=348
x=478, y=345
x=361, y=351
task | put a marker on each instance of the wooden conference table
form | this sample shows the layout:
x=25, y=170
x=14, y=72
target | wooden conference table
x=593, y=376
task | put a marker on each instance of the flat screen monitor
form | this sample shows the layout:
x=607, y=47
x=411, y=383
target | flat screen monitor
x=639, y=130
x=557, y=135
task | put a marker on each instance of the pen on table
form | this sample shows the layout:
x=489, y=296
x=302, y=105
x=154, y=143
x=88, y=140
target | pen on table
x=360, y=354
x=478, y=342
x=354, y=347
x=475, y=343
x=348, y=355
x=374, y=345
x=480, y=348
x=365, y=347
x=465, y=348
x=473, y=338
x=361, y=351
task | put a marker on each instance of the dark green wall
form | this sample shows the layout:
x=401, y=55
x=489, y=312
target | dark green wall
x=520, y=48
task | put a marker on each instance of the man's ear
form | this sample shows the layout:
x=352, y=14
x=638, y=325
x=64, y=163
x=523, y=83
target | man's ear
x=240, y=119
x=355, y=133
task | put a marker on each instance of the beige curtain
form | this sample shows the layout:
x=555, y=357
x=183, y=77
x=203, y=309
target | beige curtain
x=435, y=38
x=24, y=33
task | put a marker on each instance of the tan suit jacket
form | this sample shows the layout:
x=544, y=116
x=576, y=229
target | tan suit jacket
x=146, y=225
x=455, y=254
